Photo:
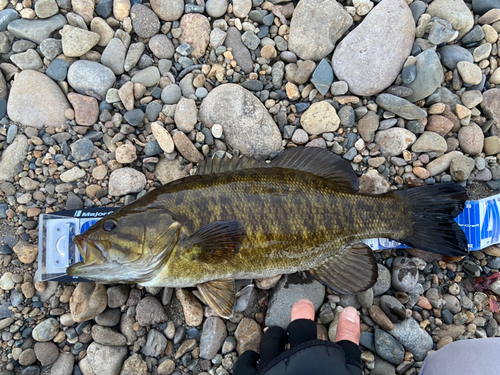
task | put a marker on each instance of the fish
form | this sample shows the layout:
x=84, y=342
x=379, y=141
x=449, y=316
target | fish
x=241, y=218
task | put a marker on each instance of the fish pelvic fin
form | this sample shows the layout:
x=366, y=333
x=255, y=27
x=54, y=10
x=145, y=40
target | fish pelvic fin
x=217, y=241
x=219, y=295
x=313, y=160
x=350, y=271
x=433, y=209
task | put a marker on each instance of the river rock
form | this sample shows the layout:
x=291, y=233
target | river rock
x=289, y=290
x=414, y=339
x=126, y=181
x=320, y=118
x=77, y=42
x=113, y=56
x=404, y=274
x=169, y=170
x=193, y=311
x=491, y=105
x=248, y=335
x=144, y=21
x=247, y=124
x=315, y=27
x=400, y=107
x=36, y=30
x=212, y=337
x=86, y=109
x=471, y=139
x=46, y=104
x=63, y=365
x=106, y=360
x=429, y=76
x=14, y=154
x=135, y=365
x=240, y=52
x=87, y=301
x=430, y=141
x=195, y=32
x=388, y=347
x=394, y=141
x=46, y=352
x=451, y=55
x=90, y=78
x=168, y=10
x=363, y=58
x=455, y=12
x=150, y=311
x=46, y=330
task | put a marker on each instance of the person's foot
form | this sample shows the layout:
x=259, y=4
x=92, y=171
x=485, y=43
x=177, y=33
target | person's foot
x=303, y=309
x=348, y=327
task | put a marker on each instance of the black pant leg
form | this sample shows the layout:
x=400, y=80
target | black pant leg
x=272, y=344
x=301, y=330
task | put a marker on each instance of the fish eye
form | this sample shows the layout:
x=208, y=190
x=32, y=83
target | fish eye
x=109, y=225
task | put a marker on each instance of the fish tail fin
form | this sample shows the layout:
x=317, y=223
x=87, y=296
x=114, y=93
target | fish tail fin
x=433, y=209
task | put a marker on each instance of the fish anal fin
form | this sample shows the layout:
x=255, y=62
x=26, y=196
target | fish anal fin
x=350, y=271
x=219, y=295
x=217, y=241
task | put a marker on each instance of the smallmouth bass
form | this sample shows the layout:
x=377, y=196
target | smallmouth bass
x=243, y=219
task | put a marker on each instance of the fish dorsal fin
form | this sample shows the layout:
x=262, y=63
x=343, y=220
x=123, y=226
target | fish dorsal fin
x=219, y=295
x=217, y=241
x=221, y=164
x=350, y=271
x=314, y=160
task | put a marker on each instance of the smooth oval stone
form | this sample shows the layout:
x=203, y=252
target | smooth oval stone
x=452, y=55
x=429, y=76
x=88, y=77
x=364, y=59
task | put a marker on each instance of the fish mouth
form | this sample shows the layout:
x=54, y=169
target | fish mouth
x=93, y=253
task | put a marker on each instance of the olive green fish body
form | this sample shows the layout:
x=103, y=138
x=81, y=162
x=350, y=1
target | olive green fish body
x=293, y=220
x=240, y=218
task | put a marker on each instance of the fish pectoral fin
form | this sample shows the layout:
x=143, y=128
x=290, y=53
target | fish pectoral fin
x=219, y=295
x=218, y=241
x=350, y=271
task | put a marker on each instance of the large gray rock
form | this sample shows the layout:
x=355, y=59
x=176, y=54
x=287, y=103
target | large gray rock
x=90, y=78
x=13, y=155
x=36, y=30
x=455, y=12
x=36, y=100
x=429, y=76
x=106, y=360
x=212, y=337
x=371, y=56
x=246, y=122
x=289, y=290
x=315, y=27
x=413, y=338
x=400, y=107
x=240, y=52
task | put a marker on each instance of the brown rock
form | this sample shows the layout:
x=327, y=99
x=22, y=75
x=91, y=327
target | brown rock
x=492, y=145
x=292, y=91
x=368, y=125
x=28, y=289
x=26, y=251
x=267, y=282
x=185, y=347
x=439, y=124
x=248, y=336
x=166, y=367
x=150, y=311
x=86, y=109
x=46, y=352
x=490, y=105
x=100, y=172
x=185, y=115
x=471, y=139
x=186, y=148
x=380, y=318
x=126, y=154
x=373, y=182
x=195, y=32
x=451, y=330
x=424, y=303
x=193, y=311
x=163, y=137
x=88, y=300
x=126, y=94
x=443, y=342
x=268, y=51
x=134, y=365
x=84, y=8
x=66, y=295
